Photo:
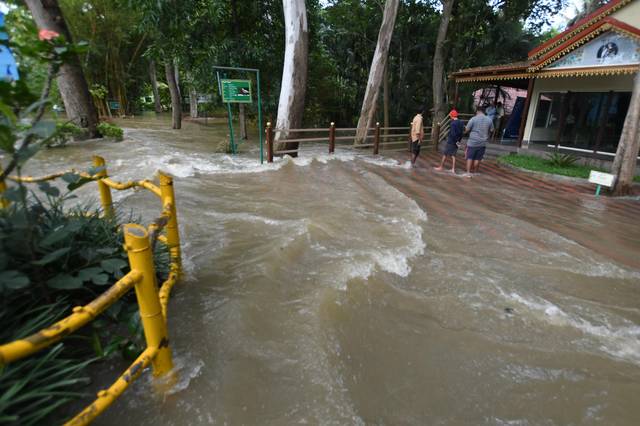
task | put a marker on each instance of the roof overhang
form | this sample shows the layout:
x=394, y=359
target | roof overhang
x=578, y=27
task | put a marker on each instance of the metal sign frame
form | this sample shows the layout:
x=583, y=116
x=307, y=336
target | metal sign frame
x=260, y=134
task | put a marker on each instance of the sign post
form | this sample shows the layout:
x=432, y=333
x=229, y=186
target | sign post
x=601, y=179
x=239, y=91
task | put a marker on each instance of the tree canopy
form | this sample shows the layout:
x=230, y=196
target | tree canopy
x=125, y=35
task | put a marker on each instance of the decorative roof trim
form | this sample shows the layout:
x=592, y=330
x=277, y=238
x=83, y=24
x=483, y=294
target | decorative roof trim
x=608, y=24
x=578, y=27
x=587, y=72
x=494, y=77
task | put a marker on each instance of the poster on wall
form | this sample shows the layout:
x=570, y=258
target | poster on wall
x=608, y=49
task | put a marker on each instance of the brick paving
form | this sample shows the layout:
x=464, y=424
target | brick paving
x=609, y=227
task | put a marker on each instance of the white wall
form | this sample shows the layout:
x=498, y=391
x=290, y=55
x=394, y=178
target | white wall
x=629, y=14
x=617, y=83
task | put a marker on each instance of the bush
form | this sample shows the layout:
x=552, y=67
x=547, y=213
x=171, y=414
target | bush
x=111, y=131
x=65, y=131
x=561, y=160
x=52, y=258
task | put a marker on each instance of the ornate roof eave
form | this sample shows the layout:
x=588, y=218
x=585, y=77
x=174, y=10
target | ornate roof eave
x=493, y=77
x=588, y=72
x=578, y=27
x=609, y=24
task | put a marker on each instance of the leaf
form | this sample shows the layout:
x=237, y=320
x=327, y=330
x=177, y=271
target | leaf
x=14, y=193
x=50, y=257
x=77, y=184
x=14, y=280
x=70, y=177
x=60, y=233
x=94, y=170
x=64, y=282
x=113, y=265
x=48, y=189
x=107, y=250
x=100, y=279
x=88, y=273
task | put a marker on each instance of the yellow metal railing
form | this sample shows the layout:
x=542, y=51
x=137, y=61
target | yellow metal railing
x=152, y=303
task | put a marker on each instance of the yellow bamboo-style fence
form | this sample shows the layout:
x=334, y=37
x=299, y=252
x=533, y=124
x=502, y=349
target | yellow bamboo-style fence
x=152, y=303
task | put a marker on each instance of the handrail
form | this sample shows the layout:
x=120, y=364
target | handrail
x=152, y=303
x=108, y=396
x=21, y=348
x=373, y=138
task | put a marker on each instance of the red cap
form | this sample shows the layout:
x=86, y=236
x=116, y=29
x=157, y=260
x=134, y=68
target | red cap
x=453, y=113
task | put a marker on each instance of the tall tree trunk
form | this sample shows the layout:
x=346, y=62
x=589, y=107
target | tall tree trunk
x=193, y=102
x=176, y=105
x=438, y=64
x=376, y=72
x=385, y=99
x=176, y=72
x=154, y=86
x=243, y=123
x=294, y=72
x=624, y=164
x=235, y=24
x=71, y=80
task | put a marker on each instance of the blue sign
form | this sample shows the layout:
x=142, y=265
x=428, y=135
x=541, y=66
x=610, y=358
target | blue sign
x=8, y=67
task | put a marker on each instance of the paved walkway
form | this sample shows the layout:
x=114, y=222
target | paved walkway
x=607, y=226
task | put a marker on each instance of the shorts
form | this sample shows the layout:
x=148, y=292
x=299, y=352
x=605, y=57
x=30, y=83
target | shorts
x=415, y=147
x=475, y=152
x=450, y=149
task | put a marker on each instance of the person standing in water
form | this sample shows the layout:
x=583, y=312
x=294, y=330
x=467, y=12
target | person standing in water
x=456, y=130
x=480, y=128
x=417, y=135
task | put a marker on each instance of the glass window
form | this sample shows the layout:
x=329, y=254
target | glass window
x=592, y=120
x=548, y=113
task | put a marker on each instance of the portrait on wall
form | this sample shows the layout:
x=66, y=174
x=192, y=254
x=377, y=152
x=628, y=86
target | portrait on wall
x=607, y=50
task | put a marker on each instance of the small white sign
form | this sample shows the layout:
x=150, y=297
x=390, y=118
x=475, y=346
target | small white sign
x=604, y=179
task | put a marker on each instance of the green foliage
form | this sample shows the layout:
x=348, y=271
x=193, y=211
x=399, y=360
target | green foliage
x=111, y=131
x=31, y=390
x=557, y=159
x=65, y=131
x=52, y=258
x=538, y=164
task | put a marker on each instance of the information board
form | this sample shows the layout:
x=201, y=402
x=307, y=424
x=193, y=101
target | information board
x=236, y=91
x=604, y=179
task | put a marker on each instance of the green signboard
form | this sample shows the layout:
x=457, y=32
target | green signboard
x=114, y=105
x=236, y=91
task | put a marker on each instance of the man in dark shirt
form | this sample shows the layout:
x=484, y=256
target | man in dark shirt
x=451, y=148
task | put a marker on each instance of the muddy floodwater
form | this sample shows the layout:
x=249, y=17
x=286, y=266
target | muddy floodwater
x=352, y=290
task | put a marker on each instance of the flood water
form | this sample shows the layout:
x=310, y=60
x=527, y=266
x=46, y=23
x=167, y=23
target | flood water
x=354, y=290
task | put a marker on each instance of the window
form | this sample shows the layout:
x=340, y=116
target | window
x=548, y=113
x=583, y=120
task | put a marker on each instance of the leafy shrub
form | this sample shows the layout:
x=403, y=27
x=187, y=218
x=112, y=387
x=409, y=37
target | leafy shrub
x=65, y=131
x=52, y=258
x=32, y=389
x=111, y=131
x=561, y=160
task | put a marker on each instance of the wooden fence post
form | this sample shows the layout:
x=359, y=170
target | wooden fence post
x=269, y=138
x=332, y=137
x=376, y=141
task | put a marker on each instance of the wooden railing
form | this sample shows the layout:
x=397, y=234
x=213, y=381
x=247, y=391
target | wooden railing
x=378, y=139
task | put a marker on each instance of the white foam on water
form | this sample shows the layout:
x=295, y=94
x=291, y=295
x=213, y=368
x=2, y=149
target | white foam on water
x=621, y=341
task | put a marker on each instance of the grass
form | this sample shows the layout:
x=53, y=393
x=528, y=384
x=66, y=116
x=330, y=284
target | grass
x=530, y=162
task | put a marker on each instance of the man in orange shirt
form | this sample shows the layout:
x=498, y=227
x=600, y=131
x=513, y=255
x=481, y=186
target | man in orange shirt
x=417, y=135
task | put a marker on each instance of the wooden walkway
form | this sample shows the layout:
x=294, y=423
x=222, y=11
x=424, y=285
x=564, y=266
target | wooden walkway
x=609, y=227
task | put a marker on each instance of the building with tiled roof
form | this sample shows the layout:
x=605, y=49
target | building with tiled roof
x=578, y=82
